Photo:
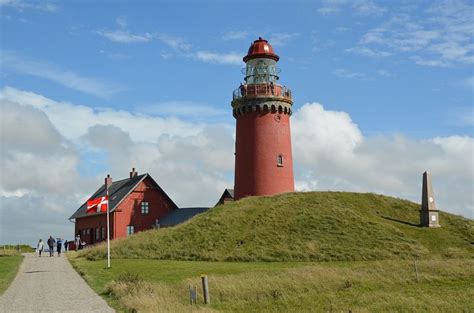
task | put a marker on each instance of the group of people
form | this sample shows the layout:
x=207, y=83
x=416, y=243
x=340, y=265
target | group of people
x=58, y=243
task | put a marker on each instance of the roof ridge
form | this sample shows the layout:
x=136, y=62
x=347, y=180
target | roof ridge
x=126, y=178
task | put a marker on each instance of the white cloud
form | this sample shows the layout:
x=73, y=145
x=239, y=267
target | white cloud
x=140, y=127
x=368, y=8
x=442, y=37
x=281, y=39
x=124, y=36
x=385, y=73
x=89, y=85
x=27, y=5
x=220, y=58
x=179, y=45
x=369, y=52
x=331, y=154
x=121, y=22
x=193, y=162
x=430, y=62
x=175, y=42
x=235, y=35
x=359, y=7
x=34, y=156
x=345, y=73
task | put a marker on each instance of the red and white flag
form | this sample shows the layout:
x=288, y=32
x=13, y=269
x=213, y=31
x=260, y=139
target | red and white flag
x=97, y=205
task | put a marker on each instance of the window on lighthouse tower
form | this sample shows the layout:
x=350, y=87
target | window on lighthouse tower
x=280, y=160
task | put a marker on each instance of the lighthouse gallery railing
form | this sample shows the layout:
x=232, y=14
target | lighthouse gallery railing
x=261, y=90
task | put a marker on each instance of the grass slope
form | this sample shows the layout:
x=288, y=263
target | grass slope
x=9, y=264
x=144, y=285
x=313, y=226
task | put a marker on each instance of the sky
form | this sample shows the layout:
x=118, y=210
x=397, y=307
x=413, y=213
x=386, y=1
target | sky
x=382, y=90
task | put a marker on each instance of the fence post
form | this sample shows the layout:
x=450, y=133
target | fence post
x=205, y=289
x=416, y=272
x=193, y=295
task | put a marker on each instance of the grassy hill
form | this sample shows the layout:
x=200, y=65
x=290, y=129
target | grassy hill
x=313, y=226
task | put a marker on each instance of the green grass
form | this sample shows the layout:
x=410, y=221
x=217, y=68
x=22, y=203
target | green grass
x=145, y=285
x=9, y=265
x=269, y=252
x=313, y=226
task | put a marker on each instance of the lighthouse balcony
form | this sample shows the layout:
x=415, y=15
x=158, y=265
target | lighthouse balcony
x=267, y=90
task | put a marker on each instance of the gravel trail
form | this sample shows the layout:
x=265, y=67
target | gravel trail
x=50, y=284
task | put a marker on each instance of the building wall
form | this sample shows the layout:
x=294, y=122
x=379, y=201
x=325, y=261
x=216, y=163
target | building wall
x=86, y=226
x=127, y=213
x=260, y=138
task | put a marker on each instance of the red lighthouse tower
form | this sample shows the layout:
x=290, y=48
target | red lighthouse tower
x=262, y=108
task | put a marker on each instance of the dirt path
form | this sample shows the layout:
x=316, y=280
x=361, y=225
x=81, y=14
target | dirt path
x=50, y=284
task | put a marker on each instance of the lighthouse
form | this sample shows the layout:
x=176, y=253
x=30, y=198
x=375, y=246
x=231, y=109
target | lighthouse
x=262, y=108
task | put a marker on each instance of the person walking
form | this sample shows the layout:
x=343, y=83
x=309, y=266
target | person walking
x=78, y=241
x=59, y=244
x=40, y=247
x=66, y=243
x=51, y=243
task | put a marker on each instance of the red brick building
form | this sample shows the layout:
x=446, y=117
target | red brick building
x=137, y=203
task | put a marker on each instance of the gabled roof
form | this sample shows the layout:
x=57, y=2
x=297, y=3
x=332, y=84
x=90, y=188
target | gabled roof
x=118, y=191
x=227, y=194
x=180, y=215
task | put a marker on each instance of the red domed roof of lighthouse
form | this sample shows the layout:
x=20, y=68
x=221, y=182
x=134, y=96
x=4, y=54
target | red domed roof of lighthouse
x=260, y=48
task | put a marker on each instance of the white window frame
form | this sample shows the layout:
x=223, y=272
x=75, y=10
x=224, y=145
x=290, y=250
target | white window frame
x=145, y=207
x=130, y=230
x=97, y=233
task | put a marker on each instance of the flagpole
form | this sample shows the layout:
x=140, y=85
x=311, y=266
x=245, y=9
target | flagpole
x=108, y=223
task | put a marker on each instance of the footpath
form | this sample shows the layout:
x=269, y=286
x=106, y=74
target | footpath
x=50, y=284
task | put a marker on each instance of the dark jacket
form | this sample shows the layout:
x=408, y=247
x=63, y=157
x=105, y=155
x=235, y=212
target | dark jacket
x=51, y=242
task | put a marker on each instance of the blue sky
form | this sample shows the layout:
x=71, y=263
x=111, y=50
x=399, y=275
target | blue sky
x=393, y=74
x=321, y=46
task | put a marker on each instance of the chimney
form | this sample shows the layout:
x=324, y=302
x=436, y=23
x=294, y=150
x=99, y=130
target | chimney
x=108, y=181
x=133, y=173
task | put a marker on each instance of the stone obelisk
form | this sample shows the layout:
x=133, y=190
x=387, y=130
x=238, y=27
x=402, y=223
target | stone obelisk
x=428, y=214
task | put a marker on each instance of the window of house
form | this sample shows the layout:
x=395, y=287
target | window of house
x=103, y=233
x=280, y=160
x=97, y=233
x=145, y=207
x=130, y=230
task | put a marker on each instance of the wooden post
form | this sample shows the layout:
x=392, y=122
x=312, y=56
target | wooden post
x=416, y=272
x=205, y=289
x=193, y=295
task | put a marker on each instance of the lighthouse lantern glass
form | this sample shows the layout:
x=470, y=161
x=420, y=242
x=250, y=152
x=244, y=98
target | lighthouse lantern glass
x=260, y=71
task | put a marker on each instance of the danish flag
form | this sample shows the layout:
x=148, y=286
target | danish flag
x=97, y=205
